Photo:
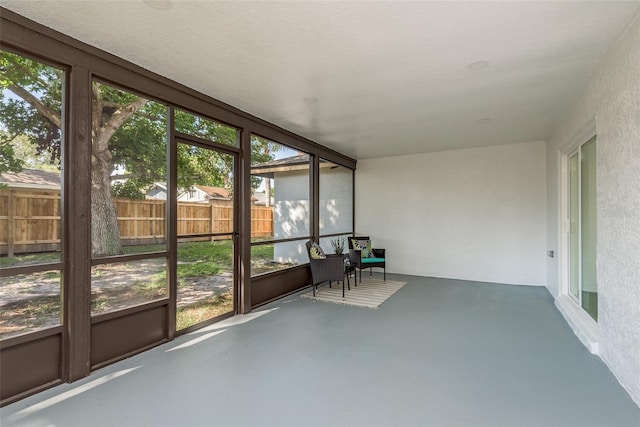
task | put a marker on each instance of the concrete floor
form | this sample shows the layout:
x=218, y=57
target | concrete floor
x=437, y=353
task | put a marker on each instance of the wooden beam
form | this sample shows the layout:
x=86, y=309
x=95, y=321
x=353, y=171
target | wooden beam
x=76, y=211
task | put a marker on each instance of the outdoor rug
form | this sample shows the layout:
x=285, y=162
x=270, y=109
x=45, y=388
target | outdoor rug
x=370, y=293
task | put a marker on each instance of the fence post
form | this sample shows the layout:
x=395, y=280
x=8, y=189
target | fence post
x=11, y=228
x=135, y=220
x=151, y=225
x=211, y=216
x=55, y=225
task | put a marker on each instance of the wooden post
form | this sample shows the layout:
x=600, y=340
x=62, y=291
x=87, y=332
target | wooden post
x=11, y=223
x=76, y=231
x=314, y=191
x=171, y=223
x=56, y=222
x=153, y=221
x=242, y=200
x=212, y=217
x=135, y=221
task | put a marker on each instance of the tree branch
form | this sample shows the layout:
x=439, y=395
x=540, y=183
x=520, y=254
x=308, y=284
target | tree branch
x=107, y=104
x=154, y=177
x=95, y=91
x=150, y=117
x=47, y=112
x=126, y=176
x=35, y=77
x=8, y=140
x=120, y=116
x=117, y=106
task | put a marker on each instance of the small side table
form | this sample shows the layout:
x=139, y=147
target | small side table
x=348, y=269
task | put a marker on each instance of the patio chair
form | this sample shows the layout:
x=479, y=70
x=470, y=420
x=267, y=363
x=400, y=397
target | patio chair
x=361, y=255
x=328, y=269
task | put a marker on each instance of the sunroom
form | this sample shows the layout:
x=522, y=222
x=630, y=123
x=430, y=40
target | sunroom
x=191, y=149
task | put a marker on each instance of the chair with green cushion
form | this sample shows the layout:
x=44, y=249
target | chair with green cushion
x=361, y=255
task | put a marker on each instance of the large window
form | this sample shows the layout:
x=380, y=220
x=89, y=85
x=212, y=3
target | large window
x=128, y=199
x=201, y=127
x=583, y=285
x=119, y=220
x=280, y=206
x=31, y=235
x=336, y=205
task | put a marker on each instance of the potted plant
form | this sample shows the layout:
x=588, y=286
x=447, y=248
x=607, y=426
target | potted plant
x=338, y=245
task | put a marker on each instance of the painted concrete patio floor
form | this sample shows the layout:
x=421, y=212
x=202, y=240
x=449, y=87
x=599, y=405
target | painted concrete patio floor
x=437, y=353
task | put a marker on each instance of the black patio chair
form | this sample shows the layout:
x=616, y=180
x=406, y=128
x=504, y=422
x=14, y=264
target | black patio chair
x=327, y=269
x=357, y=260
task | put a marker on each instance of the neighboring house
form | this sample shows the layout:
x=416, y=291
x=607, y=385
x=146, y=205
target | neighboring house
x=291, y=203
x=157, y=192
x=194, y=194
x=259, y=198
x=204, y=194
x=32, y=179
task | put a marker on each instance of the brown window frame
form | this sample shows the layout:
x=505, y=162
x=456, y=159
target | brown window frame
x=83, y=64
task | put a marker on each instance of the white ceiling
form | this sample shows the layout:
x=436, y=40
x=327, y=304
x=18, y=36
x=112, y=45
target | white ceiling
x=368, y=79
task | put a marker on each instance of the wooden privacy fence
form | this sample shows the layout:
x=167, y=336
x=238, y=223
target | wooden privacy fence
x=30, y=220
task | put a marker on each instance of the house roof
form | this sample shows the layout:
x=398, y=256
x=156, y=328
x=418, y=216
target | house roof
x=160, y=185
x=32, y=178
x=214, y=192
x=286, y=164
x=267, y=169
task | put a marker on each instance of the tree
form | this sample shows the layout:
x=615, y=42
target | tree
x=9, y=162
x=128, y=144
x=111, y=109
x=34, y=110
x=264, y=150
x=25, y=152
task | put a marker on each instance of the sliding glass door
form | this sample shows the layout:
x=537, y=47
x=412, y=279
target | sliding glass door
x=582, y=227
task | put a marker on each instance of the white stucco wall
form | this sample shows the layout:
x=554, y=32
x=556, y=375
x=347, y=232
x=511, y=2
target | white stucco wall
x=291, y=215
x=474, y=214
x=291, y=210
x=336, y=201
x=612, y=97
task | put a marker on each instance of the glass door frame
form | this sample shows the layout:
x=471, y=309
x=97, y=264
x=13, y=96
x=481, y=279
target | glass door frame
x=587, y=135
x=177, y=138
x=578, y=226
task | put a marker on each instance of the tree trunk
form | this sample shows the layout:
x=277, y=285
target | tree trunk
x=105, y=234
x=267, y=191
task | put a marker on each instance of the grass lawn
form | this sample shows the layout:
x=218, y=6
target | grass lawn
x=218, y=252
x=204, y=274
x=20, y=260
x=204, y=310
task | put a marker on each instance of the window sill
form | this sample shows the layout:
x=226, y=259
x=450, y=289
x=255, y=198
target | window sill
x=585, y=328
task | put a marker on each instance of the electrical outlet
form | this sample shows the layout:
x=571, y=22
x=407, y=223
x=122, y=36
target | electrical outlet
x=550, y=254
